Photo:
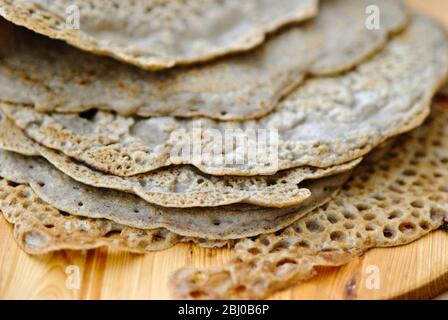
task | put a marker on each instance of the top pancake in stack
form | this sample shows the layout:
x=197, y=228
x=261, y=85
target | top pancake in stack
x=237, y=87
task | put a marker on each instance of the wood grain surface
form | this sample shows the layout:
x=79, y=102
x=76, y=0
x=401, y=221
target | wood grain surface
x=418, y=270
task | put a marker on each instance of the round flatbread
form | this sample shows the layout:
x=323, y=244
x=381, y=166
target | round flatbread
x=327, y=121
x=217, y=223
x=55, y=77
x=392, y=202
x=179, y=186
x=158, y=34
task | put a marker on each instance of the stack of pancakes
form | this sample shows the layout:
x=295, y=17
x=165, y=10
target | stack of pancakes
x=300, y=133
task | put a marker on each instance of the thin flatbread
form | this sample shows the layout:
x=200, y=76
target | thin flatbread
x=56, y=77
x=40, y=228
x=181, y=186
x=389, y=203
x=158, y=34
x=217, y=223
x=327, y=121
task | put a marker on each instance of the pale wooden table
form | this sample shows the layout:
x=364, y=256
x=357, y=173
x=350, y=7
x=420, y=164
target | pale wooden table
x=419, y=270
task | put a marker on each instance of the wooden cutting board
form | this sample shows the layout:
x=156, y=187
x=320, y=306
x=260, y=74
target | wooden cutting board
x=418, y=270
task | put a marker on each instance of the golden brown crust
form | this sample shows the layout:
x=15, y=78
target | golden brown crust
x=40, y=228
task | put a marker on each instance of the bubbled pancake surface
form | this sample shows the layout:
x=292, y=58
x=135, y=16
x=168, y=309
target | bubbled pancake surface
x=239, y=87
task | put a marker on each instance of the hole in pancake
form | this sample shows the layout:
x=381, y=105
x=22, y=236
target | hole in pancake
x=313, y=226
x=369, y=217
x=332, y=218
x=395, y=214
x=254, y=251
x=406, y=227
x=389, y=232
x=112, y=234
x=337, y=236
x=285, y=261
x=418, y=204
x=89, y=114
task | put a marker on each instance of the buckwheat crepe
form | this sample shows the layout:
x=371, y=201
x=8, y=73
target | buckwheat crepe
x=217, y=223
x=40, y=228
x=158, y=34
x=55, y=77
x=389, y=203
x=181, y=186
x=327, y=121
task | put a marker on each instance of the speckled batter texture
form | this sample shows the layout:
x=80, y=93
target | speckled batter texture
x=327, y=121
x=40, y=228
x=392, y=202
x=179, y=186
x=56, y=77
x=158, y=34
x=216, y=223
